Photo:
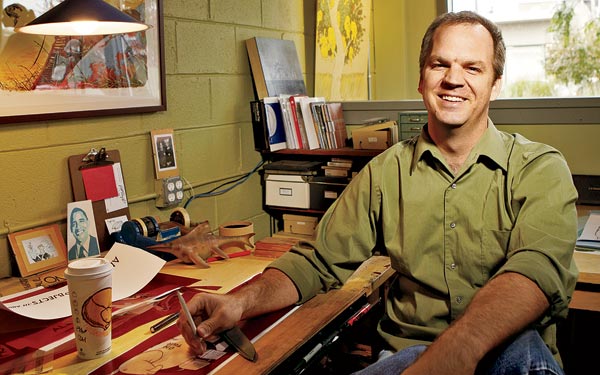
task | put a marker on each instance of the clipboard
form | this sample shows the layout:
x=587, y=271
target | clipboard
x=100, y=215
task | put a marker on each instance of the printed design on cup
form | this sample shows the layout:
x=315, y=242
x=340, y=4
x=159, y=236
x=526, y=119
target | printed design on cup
x=96, y=310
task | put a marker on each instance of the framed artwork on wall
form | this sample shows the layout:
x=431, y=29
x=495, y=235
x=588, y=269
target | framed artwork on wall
x=342, y=49
x=46, y=77
x=39, y=249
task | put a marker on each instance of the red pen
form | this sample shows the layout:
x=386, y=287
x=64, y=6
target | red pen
x=357, y=315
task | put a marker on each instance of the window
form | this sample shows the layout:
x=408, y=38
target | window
x=553, y=58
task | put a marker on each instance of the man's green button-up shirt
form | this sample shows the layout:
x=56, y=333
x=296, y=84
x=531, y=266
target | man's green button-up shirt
x=511, y=208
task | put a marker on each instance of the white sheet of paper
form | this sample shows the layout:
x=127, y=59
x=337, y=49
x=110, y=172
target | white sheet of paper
x=120, y=201
x=114, y=224
x=591, y=231
x=134, y=268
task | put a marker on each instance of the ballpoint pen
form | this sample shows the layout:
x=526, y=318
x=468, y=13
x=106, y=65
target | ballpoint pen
x=165, y=322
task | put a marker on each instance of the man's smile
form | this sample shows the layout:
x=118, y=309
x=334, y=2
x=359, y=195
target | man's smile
x=450, y=98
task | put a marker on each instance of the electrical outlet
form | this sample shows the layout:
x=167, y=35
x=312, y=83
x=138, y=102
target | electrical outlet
x=170, y=191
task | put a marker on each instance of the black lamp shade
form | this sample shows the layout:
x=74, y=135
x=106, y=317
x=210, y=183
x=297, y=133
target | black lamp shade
x=83, y=17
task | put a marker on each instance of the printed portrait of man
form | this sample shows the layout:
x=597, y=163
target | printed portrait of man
x=83, y=230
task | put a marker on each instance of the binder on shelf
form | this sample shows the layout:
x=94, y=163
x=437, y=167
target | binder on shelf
x=274, y=124
x=260, y=130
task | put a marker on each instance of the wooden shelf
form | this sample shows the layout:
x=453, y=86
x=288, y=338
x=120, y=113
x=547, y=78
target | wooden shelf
x=345, y=151
x=359, y=157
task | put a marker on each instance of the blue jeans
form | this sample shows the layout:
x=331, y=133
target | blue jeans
x=527, y=354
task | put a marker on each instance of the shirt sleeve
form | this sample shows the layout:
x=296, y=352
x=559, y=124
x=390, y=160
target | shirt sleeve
x=346, y=237
x=543, y=238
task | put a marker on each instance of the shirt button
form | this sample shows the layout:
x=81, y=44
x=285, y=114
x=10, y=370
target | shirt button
x=453, y=186
x=452, y=225
x=453, y=266
x=459, y=299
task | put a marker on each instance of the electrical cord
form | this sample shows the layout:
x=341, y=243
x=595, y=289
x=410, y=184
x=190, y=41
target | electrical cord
x=214, y=192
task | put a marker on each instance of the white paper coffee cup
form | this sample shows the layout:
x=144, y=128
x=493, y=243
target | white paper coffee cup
x=89, y=282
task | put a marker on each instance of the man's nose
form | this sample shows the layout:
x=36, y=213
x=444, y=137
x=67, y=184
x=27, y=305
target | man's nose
x=454, y=75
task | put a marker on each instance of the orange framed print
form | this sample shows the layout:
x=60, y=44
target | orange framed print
x=163, y=150
x=39, y=249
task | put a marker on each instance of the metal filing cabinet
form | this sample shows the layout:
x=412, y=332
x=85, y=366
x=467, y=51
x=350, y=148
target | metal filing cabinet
x=411, y=123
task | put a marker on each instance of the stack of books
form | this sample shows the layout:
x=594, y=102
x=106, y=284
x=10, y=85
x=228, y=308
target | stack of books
x=298, y=122
x=338, y=167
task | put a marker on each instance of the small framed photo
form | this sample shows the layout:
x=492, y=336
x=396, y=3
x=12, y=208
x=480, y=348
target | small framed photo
x=163, y=150
x=39, y=249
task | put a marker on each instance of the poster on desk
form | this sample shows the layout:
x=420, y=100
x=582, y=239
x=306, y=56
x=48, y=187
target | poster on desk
x=22, y=350
x=166, y=352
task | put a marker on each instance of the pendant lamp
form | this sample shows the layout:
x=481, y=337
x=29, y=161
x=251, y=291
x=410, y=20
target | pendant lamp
x=83, y=17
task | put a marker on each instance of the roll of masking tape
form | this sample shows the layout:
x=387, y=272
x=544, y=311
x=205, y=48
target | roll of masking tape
x=181, y=216
x=237, y=228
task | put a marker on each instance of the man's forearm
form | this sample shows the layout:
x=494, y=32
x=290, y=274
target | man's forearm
x=271, y=292
x=501, y=309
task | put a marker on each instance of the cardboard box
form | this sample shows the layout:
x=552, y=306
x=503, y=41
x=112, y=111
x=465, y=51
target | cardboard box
x=299, y=224
x=376, y=136
x=287, y=191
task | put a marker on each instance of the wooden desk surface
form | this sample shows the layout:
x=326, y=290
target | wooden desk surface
x=588, y=265
x=283, y=340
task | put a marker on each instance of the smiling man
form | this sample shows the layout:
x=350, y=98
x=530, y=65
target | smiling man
x=479, y=224
x=458, y=81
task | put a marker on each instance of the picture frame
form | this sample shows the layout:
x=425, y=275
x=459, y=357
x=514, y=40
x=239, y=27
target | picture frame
x=39, y=249
x=64, y=77
x=163, y=151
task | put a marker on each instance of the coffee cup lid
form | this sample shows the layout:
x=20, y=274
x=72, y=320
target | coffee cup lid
x=88, y=267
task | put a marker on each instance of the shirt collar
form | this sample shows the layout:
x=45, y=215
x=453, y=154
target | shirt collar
x=491, y=145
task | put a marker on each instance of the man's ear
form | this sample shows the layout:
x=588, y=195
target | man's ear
x=420, y=88
x=496, y=88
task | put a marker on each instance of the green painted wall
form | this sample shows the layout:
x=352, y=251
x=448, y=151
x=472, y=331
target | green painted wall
x=209, y=88
x=398, y=27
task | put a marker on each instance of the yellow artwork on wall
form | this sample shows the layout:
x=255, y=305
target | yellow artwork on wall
x=342, y=49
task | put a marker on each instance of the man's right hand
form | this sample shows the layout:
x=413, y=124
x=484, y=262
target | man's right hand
x=212, y=314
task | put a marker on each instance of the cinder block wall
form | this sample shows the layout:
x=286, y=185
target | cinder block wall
x=209, y=88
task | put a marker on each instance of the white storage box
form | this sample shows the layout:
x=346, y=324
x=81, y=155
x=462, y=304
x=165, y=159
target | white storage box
x=287, y=191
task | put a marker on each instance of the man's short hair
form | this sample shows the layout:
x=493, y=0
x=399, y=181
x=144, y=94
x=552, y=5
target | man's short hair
x=74, y=211
x=465, y=17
